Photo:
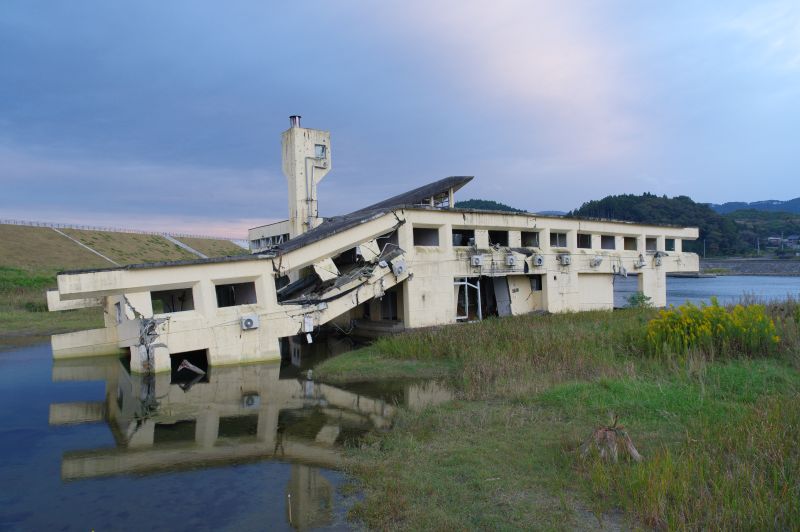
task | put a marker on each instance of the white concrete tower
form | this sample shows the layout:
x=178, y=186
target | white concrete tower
x=306, y=160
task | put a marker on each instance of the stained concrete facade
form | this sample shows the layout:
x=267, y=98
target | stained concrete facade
x=408, y=262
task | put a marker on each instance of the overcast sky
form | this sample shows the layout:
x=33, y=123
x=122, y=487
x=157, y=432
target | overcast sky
x=168, y=115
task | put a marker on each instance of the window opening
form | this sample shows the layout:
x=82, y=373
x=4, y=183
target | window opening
x=463, y=237
x=424, y=236
x=168, y=301
x=499, y=238
x=530, y=239
x=235, y=294
x=584, y=241
x=608, y=242
x=558, y=240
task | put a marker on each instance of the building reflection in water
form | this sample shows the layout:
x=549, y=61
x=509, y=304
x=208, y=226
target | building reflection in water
x=234, y=414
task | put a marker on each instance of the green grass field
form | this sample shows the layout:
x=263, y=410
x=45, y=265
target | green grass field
x=131, y=248
x=718, y=429
x=213, y=247
x=30, y=257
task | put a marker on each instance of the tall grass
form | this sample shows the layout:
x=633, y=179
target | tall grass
x=740, y=475
x=718, y=428
x=513, y=356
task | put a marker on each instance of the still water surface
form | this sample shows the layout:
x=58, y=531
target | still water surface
x=85, y=445
x=728, y=289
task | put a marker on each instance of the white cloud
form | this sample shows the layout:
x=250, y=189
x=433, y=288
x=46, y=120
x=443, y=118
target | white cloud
x=775, y=28
x=556, y=63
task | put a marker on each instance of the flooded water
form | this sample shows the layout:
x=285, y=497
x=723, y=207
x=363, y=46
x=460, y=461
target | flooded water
x=85, y=445
x=728, y=288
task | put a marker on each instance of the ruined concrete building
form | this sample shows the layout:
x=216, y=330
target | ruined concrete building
x=413, y=260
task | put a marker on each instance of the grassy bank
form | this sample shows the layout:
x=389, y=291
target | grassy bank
x=23, y=307
x=717, y=424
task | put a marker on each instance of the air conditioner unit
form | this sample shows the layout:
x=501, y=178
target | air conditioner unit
x=398, y=267
x=596, y=261
x=511, y=260
x=476, y=260
x=564, y=259
x=249, y=322
x=251, y=400
x=538, y=260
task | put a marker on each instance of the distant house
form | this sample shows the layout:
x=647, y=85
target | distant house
x=793, y=241
x=774, y=241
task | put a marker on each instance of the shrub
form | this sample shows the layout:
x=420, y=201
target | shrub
x=639, y=300
x=713, y=330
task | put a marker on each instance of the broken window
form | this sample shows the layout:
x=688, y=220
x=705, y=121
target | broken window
x=235, y=294
x=669, y=244
x=168, y=301
x=238, y=426
x=468, y=298
x=558, y=240
x=499, y=238
x=319, y=151
x=463, y=237
x=189, y=367
x=178, y=432
x=530, y=239
x=630, y=243
x=584, y=241
x=536, y=282
x=608, y=242
x=651, y=244
x=424, y=236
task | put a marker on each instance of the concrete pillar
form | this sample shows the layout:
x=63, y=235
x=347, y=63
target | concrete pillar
x=482, y=238
x=205, y=298
x=544, y=239
x=572, y=240
x=515, y=239
x=653, y=284
x=267, y=430
x=207, y=428
x=144, y=435
x=446, y=237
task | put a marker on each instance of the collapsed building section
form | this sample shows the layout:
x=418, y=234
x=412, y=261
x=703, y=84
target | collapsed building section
x=410, y=261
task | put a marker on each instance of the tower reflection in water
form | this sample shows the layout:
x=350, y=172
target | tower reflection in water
x=235, y=414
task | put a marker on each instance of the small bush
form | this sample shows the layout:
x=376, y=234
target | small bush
x=35, y=306
x=713, y=330
x=639, y=300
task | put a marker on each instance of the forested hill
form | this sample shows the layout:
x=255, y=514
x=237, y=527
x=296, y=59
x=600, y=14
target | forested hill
x=721, y=234
x=792, y=206
x=485, y=205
